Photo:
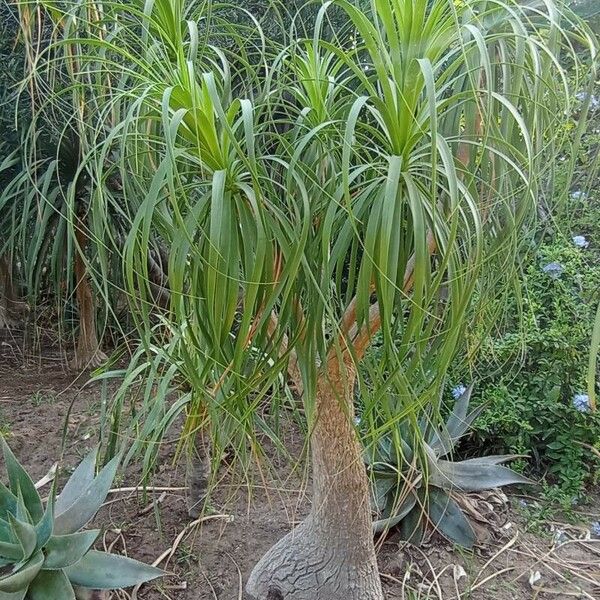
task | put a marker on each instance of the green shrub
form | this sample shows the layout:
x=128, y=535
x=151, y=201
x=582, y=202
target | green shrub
x=532, y=376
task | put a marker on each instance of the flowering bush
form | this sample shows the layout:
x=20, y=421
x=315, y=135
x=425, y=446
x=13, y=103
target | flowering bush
x=531, y=371
x=532, y=374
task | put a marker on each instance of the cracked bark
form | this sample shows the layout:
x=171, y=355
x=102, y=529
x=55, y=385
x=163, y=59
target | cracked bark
x=331, y=555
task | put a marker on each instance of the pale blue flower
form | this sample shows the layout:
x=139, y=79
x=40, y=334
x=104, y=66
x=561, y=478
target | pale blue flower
x=581, y=402
x=594, y=101
x=580, y=241
x=458, y=391
x=595, y=528
x=578, y=195
x=554, y=269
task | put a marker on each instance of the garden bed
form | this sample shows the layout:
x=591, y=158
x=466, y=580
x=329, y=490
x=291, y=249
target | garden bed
x=211, y=558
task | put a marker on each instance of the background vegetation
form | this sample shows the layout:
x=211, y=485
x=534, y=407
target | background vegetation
x=533, y=369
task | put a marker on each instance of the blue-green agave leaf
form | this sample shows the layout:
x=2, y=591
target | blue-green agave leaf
x=45, y=526
x=494, y=459
x=87, y=504
x=6, y=533
x=474, y=475
x=51, y=585
x=14, y=596
x=22, y=578
x=405, y=433
x=20, y=480
x=380, y=489
x=412, y=527
x=11, y=551
x=65, y=550
x=444, y=440
x=457, y=424
x=449, y=520
x=8, y=502
x=79, y=481
x=25, y=534
x=22, y=513
x=396, y=516
x=377, y=453
x=103, y=571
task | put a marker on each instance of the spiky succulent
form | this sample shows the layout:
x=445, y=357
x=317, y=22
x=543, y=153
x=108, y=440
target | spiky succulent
x=413, y=498
x=43, y=553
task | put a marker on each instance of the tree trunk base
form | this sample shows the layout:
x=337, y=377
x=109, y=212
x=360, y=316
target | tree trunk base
x=87, y=358
x=12, y=310
x=197, y=478
x=305, y=566
x=87, y=354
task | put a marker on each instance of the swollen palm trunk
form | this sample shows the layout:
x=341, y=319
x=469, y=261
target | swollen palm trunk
x=331, y=555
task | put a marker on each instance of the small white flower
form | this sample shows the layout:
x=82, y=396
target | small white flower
x=595, y=528
x=580, y=241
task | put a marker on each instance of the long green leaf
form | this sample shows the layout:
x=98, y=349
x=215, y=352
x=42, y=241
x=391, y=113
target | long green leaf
x=24, y=576
x=99, y=570
x=51, y=584
x=87, y=504
x=65, y=550
x=20, y=481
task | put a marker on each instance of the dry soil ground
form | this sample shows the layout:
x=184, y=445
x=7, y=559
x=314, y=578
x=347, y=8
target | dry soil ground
x=46, y=413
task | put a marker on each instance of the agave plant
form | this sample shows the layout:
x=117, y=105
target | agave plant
x=429, y=496
x=43, y=553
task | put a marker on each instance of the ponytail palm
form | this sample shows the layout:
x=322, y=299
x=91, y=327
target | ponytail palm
x=311, y=199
